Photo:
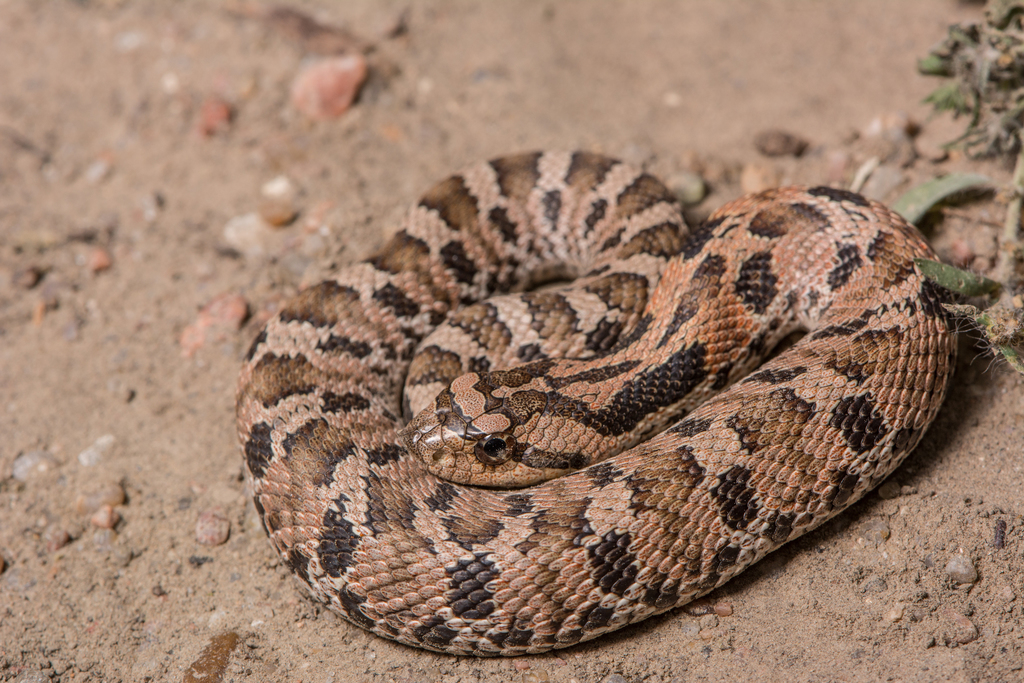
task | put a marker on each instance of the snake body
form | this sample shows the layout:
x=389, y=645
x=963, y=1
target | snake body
x=656, y=320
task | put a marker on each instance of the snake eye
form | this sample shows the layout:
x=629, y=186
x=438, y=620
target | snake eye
x=495, y=450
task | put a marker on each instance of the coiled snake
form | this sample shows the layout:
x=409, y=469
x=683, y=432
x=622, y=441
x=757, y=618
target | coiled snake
x=656, y=321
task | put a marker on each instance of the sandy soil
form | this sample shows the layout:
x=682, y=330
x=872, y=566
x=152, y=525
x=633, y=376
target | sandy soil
x=99, y=154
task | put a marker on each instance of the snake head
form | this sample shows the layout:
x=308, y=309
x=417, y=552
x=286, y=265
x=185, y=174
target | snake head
x=490, y=429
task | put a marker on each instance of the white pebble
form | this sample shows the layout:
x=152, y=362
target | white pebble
x=961, y=569
x=33, y=463
x=94, y=453
x=248, y=234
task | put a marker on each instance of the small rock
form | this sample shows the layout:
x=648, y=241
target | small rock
x=614, y=678
x=779, y=143
x=876, y=531
x=326, y=88
x=98, y=260
x=277, y=212
x=689, y=188
x=223, y=315
x=212, y=527
x=56, y=539
x=98, y=171
x=150, y=206
x=723, y=609
x=958, y=629
x=33, y=463
x=249, y=235
x=708, y=621
x=109, y=494
x=894, y=614
x=757, y=178
x=961, y=569
x=536, y=676
x=33, y=677
x=889, y=490
x=278, y=205
x=94, y=453
x=27, y=278
x=105, y=518
x=215, y=116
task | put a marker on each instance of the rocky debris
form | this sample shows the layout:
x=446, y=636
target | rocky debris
x=779, y=143
x=326, y=88
x=98, y=259
x=277, y=207
x=212, y=527
x=94, y=453
x=33, y=463
x=109, y=494
x=961, y=570
x=106, y=517
x=215, y=116
x=223, y=316
x=688, y=187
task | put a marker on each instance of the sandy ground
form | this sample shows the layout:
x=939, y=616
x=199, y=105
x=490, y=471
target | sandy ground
x=100, y=155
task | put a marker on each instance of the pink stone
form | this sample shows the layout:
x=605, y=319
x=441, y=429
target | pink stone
x=326, y=88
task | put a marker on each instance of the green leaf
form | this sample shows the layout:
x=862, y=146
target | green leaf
x=957, y=280
x=916, y=202
x=933, y=65
x=949, y=97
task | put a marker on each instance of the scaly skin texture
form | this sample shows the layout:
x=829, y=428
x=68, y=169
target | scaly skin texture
x=654, y=322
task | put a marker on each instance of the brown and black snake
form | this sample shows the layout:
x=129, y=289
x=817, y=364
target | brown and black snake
x=653, y=350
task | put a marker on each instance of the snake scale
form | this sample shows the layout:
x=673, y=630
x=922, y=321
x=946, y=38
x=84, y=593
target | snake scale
x=647, y=352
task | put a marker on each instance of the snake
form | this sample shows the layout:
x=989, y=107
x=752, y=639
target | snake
x=547, y=409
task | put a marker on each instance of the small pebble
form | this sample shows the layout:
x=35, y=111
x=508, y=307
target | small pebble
x=223, y=315
x=961, y=569
x=33, y=463
x=105, y=518
x=723, y=609
x=689, y=188
x=757, y=178
x=615, y=678
x=876, y=531
x=894, y=614
x=277, y=212
x=212, y=527
x=215, y=116
x=708, y=621
x=959, y=629
x=98, y=260
x=278, y=205
x=536, y=676
x=27, y=278
x=33, y=677
x=109, y=494
x=326, y=88
x=94, y=453
x=889, y=490
x=779, y=143
x=249, y=235
x=98, y=171
x=56, y=539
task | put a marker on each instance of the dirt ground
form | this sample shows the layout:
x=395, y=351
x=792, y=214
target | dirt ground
x=113, y=210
